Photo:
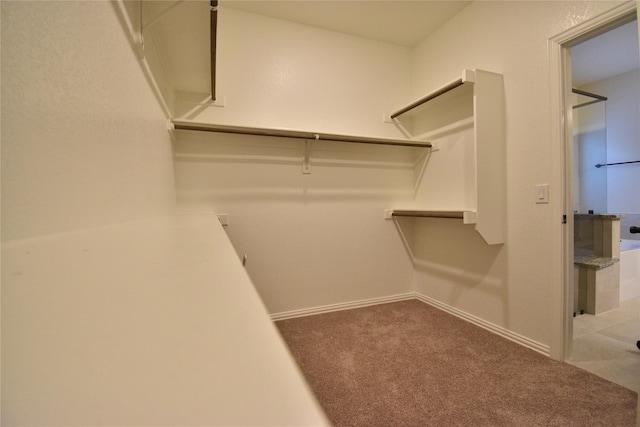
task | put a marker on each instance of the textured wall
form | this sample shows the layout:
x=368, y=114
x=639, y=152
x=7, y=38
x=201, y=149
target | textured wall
x=313, y=239
x=508, y=286
x=84, y=142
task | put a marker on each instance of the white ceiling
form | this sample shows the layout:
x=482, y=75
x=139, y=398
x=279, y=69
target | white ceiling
x=406, y=23
x=400, y=22
x=607, y=55
x=183, y=32
x=180, y=30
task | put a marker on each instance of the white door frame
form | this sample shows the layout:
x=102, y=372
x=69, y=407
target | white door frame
x=562, y=168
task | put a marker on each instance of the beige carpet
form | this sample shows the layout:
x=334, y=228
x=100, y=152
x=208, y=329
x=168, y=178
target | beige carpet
x=410, y=364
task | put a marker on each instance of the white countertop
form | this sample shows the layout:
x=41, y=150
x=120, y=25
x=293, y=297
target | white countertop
x=149, y=322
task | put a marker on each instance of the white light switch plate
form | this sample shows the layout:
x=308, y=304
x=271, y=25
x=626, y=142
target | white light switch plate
x=542, y=193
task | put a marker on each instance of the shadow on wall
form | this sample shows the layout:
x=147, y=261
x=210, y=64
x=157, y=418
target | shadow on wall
x=311, y=239
x=246, y=149
x=454, y=265
x=231, y=167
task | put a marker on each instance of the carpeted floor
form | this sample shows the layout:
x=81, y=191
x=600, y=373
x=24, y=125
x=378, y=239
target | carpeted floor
x=410, y=364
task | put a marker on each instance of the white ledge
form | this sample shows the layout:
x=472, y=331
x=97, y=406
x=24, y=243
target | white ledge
x=149, y=322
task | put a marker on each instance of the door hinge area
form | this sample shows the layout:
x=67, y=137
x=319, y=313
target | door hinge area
x=564, y=219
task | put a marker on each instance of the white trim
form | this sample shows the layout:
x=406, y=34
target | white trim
x=561, y=159
x=491, y=327
x=561, y=295
x=341, y=306
x=498, y=330
x=596, y=25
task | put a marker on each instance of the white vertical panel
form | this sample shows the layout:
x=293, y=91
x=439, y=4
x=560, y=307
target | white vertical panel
x=489, y=101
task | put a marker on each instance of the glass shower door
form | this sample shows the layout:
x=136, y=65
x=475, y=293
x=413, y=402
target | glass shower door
x=590, y=153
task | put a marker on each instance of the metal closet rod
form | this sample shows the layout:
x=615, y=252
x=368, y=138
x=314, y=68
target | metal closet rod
x=213, y=35
x=599, y=165
x=597, y=98
x=429, y=214
x=296, y=134
x=589, y=94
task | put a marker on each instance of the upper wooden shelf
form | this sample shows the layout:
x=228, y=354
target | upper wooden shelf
x=464, y=82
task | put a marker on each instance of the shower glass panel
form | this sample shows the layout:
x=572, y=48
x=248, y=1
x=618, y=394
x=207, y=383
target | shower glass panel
x=590, y=151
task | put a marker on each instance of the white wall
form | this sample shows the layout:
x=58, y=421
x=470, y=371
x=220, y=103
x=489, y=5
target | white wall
x=84, y=142
x=509, y=286
x=85, y=145
x=279, y=74
x=315, y=239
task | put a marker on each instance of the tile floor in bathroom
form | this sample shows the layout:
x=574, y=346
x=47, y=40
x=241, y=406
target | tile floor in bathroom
x=605, y=344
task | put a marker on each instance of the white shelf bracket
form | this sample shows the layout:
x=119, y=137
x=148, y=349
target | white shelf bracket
x=306, y=162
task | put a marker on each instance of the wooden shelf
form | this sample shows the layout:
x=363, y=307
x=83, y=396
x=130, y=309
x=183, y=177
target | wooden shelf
x=295, y=134
x=467, y=216
x=476, y=100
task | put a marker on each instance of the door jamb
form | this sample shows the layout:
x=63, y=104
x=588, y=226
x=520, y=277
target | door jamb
x=562, y=168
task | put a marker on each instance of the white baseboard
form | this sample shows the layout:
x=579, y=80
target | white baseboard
x=498, y=330
x=341, y=306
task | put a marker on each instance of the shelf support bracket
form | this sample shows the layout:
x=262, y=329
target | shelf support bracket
x=306, y=162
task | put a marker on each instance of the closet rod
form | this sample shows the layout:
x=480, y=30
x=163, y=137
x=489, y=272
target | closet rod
x=589, y=94
x=213, y=36
x=597, y=98
x=429, y=214
x=296, y=134
x=428, y=98
x=599, y=165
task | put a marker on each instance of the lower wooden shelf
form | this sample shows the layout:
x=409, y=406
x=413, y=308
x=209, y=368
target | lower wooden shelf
x=468, y=217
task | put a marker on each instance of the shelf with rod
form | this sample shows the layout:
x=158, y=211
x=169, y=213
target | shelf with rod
x=469, y=112
x=295, y=134
x=467, y=216
x=599, y=165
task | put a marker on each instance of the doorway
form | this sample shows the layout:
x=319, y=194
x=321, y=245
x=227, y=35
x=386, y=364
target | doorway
x=562, y=167
x=568, y=177
x=606, y=88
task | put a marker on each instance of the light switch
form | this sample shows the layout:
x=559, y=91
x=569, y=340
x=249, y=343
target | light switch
x=542, y=193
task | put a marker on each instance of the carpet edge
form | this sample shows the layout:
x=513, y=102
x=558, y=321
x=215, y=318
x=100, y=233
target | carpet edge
x=491, y=327
x=496, y=329
x=341, y=306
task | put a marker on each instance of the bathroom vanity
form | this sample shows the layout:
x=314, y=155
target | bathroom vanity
x=596, y=262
